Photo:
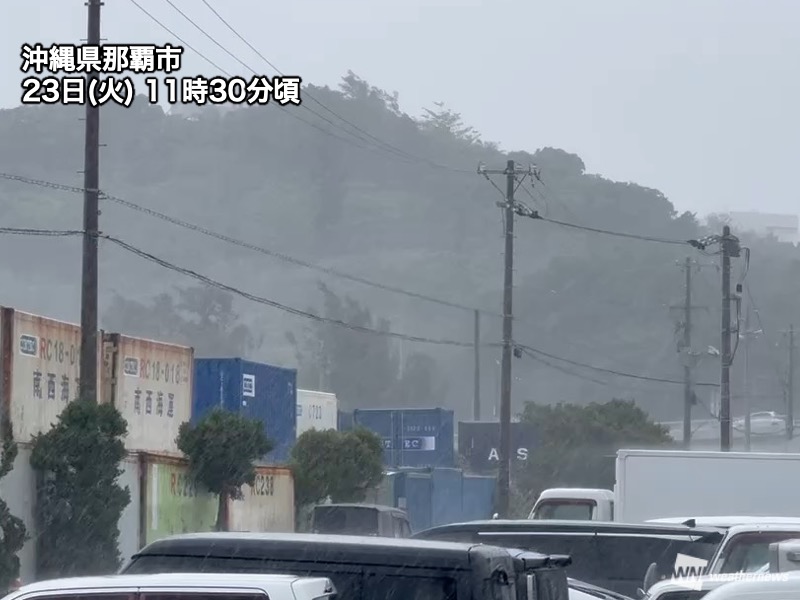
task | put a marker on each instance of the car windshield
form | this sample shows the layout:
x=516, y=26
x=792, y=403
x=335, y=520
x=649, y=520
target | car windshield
x=346, y=520
x=568, y=510
x=749, y=552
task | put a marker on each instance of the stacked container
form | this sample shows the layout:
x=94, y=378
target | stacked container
x=40, y=365
x=412, y=437
x=316, y=410
x=479, y=444
x=258, y=391
x=150, y=383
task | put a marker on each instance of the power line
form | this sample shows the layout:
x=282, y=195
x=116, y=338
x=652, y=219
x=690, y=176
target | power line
x=40, y=232
x=529, y=349
x=632, y=236
x=381, y=145
x=236, y=242
x=293, y=115
x=272, y=303
x=323, y=106
x=179, y=38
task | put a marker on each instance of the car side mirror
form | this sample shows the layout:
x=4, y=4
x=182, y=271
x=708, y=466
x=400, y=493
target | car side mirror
x=650, y=577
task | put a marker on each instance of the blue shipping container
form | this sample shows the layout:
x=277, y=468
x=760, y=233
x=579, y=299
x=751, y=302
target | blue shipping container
x=380, y=422
x=412, y=437
x=344, y=420
x=254, y=390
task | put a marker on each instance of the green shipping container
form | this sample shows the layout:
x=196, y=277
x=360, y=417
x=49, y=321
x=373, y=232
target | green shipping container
x=173, y=503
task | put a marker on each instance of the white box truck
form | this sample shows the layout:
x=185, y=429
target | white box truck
x=316, y=410
x=653, y=484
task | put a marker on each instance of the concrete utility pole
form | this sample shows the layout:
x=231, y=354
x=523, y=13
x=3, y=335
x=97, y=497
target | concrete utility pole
x=746, y=376
x=91, y=210
x=689, y=358
x=790, y=388
x=476, y=406
x=729, y=248
x=510, y=208
x=688, y=391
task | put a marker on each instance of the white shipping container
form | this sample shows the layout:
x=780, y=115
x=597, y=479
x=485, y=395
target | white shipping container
x=268, y=506
x=150, y=383
x=44, y=356
x=316, y=410
x=18, y=490
x=129, y=539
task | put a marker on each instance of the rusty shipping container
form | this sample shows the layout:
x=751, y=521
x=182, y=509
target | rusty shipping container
x=150, y=383
x=40, y=370
x=171, y=503
x=268, y=506
x=129, y=542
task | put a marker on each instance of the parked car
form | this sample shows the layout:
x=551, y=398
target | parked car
x=360, y=519
x=178, y=586
x=615, y=556
x=365, y=568
x=785, y=587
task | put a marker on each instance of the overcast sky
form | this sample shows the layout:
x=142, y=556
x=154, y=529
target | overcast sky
x=698, y=98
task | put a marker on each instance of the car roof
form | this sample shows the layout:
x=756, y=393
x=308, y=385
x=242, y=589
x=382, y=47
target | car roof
x=255, y=581
x=559, y=526
x=758, y=527
x=378, y=507
x=726, y=521
x=318, y=548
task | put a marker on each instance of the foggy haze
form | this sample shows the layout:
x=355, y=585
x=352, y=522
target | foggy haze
x=696, y=99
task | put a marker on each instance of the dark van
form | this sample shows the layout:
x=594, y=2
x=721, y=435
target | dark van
x=615, y=556
x=364, y=568
x=360, y=519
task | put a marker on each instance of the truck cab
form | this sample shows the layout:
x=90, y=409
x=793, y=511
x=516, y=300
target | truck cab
x=574, y=504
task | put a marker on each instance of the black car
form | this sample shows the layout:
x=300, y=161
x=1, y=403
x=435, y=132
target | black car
x=366, y=568
x=614, y=556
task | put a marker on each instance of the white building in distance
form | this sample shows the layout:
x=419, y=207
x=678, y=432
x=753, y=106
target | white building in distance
x=784, y=227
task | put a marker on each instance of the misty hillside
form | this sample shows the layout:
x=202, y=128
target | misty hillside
x=409, y=211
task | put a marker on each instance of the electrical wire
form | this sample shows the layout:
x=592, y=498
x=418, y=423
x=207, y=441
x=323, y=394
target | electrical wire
x=376, y=139
x=292, y=114
x=632, y=236
x=236, y=242
x=529, y=349
x=381, y=145
x=767, y=336
x=40, y=232
x=272, y=303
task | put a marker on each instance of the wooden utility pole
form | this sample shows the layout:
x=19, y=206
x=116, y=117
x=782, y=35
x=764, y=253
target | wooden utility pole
x=510, y=208
x=91, y=211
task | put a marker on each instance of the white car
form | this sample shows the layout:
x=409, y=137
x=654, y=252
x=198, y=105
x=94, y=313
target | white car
x=783, y=587
x=180, y=586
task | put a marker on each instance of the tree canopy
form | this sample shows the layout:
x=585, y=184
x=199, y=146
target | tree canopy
x=338, y=465
x=576, y=445
x=222, y=449
x=79, y=502
x=409, y=212
x=12, y=528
